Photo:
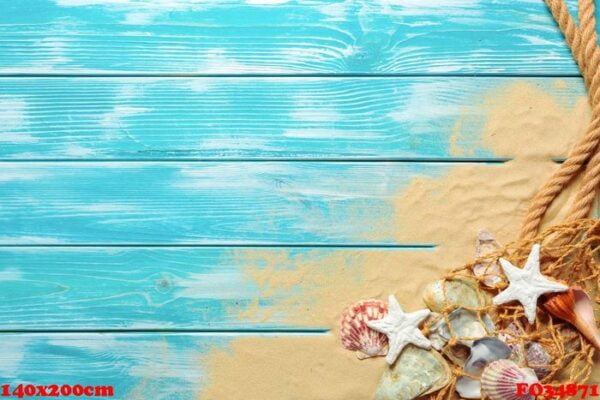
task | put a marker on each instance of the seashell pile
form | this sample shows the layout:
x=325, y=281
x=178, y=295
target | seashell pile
x=468, y=343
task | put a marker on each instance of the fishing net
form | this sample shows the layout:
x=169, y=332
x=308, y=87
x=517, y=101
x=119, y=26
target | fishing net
x=555, y=345
x=569, y=253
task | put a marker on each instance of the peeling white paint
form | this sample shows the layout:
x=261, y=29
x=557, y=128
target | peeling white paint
x=27, y=239
x=216, y=285
x=266, y=2
x=100, y=207
x=73, y=150
x=10, y=173
x=10, y=274
x=14, y=351
x=14, y=121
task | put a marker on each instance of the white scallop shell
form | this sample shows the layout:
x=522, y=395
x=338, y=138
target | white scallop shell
x=357, y=336
x=500, y=378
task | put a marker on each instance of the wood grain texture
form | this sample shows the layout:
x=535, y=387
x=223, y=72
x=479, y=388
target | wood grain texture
x=262, y=118
x=139, y=366
x=261, y=37
x=161, y=288
x=203, y=203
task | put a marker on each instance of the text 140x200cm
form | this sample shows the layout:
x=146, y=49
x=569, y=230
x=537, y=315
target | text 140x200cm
x=28, y=390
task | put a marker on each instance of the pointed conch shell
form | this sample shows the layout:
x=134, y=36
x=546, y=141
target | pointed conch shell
x=576, y=307
x=357, y=336
x=500, y=378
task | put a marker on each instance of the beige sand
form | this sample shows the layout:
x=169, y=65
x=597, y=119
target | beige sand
x=523, y=122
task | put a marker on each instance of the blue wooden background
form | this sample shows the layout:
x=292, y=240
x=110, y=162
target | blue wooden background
x=144, y=145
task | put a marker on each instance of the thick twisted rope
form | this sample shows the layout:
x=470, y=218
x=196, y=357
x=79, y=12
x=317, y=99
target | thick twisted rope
x=591, y=180
x=583, y=42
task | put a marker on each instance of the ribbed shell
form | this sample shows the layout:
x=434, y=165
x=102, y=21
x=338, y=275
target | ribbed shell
x=500, y=378
x=356, y=335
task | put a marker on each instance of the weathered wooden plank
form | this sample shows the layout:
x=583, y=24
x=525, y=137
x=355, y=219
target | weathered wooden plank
x=162, y=288
x=262, y=118
x=203, y=203
x=283, y=37
x=138, y=366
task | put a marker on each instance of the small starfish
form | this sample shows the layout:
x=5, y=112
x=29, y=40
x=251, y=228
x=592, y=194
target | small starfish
x=527, y=284
x=401, y=329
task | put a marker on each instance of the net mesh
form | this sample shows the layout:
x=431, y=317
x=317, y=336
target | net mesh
x=569, y=253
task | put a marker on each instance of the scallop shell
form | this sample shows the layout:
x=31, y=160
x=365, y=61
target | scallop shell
x=500, y=378
x=489, y=272
x=454, y=293
x=357, y=336
x=576, y=307
x=417, y=372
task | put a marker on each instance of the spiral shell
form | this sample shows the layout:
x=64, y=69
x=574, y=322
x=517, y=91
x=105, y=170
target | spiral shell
x=500, y=378
x=356, y=335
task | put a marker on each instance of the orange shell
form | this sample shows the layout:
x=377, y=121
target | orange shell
x=576, y=307
x=356, y=335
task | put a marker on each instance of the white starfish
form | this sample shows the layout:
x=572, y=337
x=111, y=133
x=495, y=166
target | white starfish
x=527, y=284
x=401, y=329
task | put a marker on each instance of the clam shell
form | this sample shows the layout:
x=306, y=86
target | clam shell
x=357, y=336
x=466, y=326
x=489, y=272
x=485, y=351
x=576, y=307
x=417, y=372
x=453, y=293
x=468, y=388
x=500, y=378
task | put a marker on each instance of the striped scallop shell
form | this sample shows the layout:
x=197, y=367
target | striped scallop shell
x=356, y=335
x=500, y=378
